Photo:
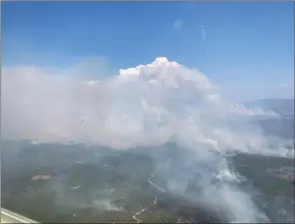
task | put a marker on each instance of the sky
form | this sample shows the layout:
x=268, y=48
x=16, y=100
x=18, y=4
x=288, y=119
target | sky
x=246, y=48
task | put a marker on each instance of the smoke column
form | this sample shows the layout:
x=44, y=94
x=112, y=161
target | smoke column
x=148, y=105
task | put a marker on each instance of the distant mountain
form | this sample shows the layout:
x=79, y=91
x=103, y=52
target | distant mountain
x=282, y=126
x=284, y=107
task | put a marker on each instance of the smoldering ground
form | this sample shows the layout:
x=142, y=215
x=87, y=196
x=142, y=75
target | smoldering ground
x=145, y=107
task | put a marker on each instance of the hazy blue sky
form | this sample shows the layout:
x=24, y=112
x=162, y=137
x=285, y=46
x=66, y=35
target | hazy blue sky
x=245, y=47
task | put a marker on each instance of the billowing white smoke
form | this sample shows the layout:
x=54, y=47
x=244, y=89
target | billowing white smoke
x=142, y=106
x=146, y=105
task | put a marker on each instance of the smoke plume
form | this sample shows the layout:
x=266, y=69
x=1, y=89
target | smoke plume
x=147, y=105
